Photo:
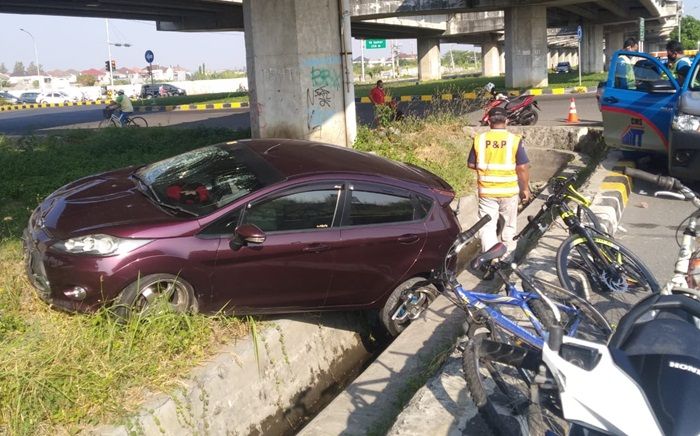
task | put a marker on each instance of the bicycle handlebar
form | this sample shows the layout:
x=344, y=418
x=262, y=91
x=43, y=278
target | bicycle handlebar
x=468, y=234
x=664, y=182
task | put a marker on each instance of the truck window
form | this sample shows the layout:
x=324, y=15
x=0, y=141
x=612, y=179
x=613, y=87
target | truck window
x=694, y=84
x=635, y=73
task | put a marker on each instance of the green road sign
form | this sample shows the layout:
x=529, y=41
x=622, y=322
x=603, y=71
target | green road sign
x=375, y=43
x=641, y=29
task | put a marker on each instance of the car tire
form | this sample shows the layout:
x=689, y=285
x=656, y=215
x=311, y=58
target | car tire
x=140, y=296
x=415, y=295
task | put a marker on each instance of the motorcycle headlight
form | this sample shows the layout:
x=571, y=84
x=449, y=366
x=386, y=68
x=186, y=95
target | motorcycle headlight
x=686, y=123
x=100, y=245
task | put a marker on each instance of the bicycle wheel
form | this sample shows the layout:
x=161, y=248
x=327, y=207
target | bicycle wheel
x=107, y=122
x=589, y=219
x=137, y=122
x=576, y=263
x=501, y=391
x=578, y=317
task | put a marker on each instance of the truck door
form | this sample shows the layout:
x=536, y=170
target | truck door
x=638, y=108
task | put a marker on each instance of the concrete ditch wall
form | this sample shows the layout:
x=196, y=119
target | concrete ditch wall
x=304, y=360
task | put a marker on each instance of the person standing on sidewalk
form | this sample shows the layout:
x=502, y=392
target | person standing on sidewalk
x=503, y=178
x=624, y=72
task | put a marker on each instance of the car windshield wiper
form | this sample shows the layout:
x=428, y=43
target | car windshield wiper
x=149, y=190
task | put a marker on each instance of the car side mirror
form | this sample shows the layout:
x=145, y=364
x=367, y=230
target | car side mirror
x=246, y=234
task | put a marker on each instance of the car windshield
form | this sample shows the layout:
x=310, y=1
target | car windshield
x=204, y=180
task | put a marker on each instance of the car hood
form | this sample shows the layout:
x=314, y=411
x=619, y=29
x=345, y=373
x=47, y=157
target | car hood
x=107, y=203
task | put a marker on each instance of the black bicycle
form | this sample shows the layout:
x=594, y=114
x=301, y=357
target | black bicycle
x=589, y=258
x=111, y=119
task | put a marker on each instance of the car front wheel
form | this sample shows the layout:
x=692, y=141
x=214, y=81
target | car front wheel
x=406, y=303
x=156, y=292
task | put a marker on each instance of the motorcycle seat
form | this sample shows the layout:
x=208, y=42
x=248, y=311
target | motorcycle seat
x=515, y=102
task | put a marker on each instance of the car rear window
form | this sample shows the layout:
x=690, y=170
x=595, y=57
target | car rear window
x=307, y=210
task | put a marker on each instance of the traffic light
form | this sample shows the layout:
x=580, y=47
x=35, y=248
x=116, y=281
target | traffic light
x=106, y=65
x=114, y=65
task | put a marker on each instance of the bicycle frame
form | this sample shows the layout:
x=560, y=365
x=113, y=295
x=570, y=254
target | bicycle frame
x=514, y=297
x=685, y=253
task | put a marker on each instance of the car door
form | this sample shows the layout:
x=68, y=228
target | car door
x=639, y=116
x=293, y=267
x=382, y=233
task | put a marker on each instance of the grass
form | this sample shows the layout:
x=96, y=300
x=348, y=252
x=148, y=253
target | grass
x=468, y=84
x=220, y=97
x=59, y=372
x=438, y=142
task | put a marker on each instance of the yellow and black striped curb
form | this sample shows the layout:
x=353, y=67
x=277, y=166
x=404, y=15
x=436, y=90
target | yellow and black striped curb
x=473, y=95
x=612, y=196
x=181, y=107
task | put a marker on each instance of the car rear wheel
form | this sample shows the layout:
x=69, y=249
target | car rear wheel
x=406, y=303
x=156, y=292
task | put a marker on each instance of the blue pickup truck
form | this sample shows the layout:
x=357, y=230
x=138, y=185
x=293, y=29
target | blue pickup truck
x=654, y=112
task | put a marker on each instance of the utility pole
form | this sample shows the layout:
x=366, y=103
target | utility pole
x=36, y=59
x=109, y=55
x=362, y=58
x=452, y=60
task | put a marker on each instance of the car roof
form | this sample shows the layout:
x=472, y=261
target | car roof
x=295, y=158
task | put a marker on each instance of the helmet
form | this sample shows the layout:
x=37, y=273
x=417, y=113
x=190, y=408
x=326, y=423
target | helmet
x=120, y=92
x=489, y=87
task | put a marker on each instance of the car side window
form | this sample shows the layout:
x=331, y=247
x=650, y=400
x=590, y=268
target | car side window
x=367, y=207
x=308, y=210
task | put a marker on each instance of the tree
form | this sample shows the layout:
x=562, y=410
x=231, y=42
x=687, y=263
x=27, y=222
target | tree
x=690, y=28
x=31, y=69
x=3, y=68
x=18, y=70
x=86, y=80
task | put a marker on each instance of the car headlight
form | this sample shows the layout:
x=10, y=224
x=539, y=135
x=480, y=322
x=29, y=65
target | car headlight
x=686, y=123
x=101, y=245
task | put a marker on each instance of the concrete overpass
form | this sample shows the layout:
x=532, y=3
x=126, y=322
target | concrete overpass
x=299, y=55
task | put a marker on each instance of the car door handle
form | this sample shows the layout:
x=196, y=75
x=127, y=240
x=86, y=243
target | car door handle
x=610, y=100
x=316, y=248
x=408, y=239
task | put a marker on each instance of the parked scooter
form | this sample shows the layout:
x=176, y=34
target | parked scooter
x=521, y=110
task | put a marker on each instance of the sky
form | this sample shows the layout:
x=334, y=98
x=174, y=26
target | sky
x=81, y=43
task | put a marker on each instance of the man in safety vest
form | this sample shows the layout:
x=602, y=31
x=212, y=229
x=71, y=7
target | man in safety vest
x=677, y=63
x=502, y=169
x=624, y=72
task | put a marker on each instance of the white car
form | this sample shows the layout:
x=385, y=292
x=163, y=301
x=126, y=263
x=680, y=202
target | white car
x=54, y=97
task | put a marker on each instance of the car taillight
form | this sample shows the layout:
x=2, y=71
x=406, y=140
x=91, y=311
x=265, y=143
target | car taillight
x=694, y=271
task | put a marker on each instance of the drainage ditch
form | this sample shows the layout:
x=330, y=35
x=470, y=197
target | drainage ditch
x=302, y=362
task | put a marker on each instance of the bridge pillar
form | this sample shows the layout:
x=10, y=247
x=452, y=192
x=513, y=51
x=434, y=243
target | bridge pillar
x=526, y=46
x=490, y=59
x=428, y=59
x=592, y=48
x=613, y=42
x=295, y=74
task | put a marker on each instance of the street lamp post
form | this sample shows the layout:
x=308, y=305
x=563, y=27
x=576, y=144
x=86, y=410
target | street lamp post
x=36, y=57
x=109, y=55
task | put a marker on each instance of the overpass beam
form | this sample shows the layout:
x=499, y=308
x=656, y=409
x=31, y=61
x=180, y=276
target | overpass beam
x=526, y=46
x=294, y=70
x=592, y=48
x=428, y=59
x=490, y=59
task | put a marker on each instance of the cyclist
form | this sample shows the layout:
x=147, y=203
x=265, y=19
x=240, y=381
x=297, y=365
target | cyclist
x=123, y=103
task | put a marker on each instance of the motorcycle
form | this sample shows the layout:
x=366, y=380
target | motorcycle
x=521, y=110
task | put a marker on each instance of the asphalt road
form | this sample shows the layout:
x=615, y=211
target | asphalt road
x=649, y=226
x=554, y=110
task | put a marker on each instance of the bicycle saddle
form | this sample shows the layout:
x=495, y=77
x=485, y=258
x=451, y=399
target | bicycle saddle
x=494, y=252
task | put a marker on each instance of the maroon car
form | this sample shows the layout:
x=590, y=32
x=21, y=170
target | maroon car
x=254, y=226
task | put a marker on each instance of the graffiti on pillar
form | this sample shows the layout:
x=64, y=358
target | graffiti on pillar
x=323, y=96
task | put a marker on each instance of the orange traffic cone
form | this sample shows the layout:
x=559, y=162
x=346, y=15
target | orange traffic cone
x=573, y=117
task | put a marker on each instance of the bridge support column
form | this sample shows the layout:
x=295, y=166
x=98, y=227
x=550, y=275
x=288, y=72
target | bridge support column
x=490, y=59
x=295, y=73
x=428, y=59
x=592, y=48
x=613, y=42
x=526, y=46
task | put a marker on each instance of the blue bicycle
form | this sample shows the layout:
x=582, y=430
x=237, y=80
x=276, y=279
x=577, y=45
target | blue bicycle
x=520, y=318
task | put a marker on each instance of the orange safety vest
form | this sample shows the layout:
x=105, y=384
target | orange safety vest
x=495, y=152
